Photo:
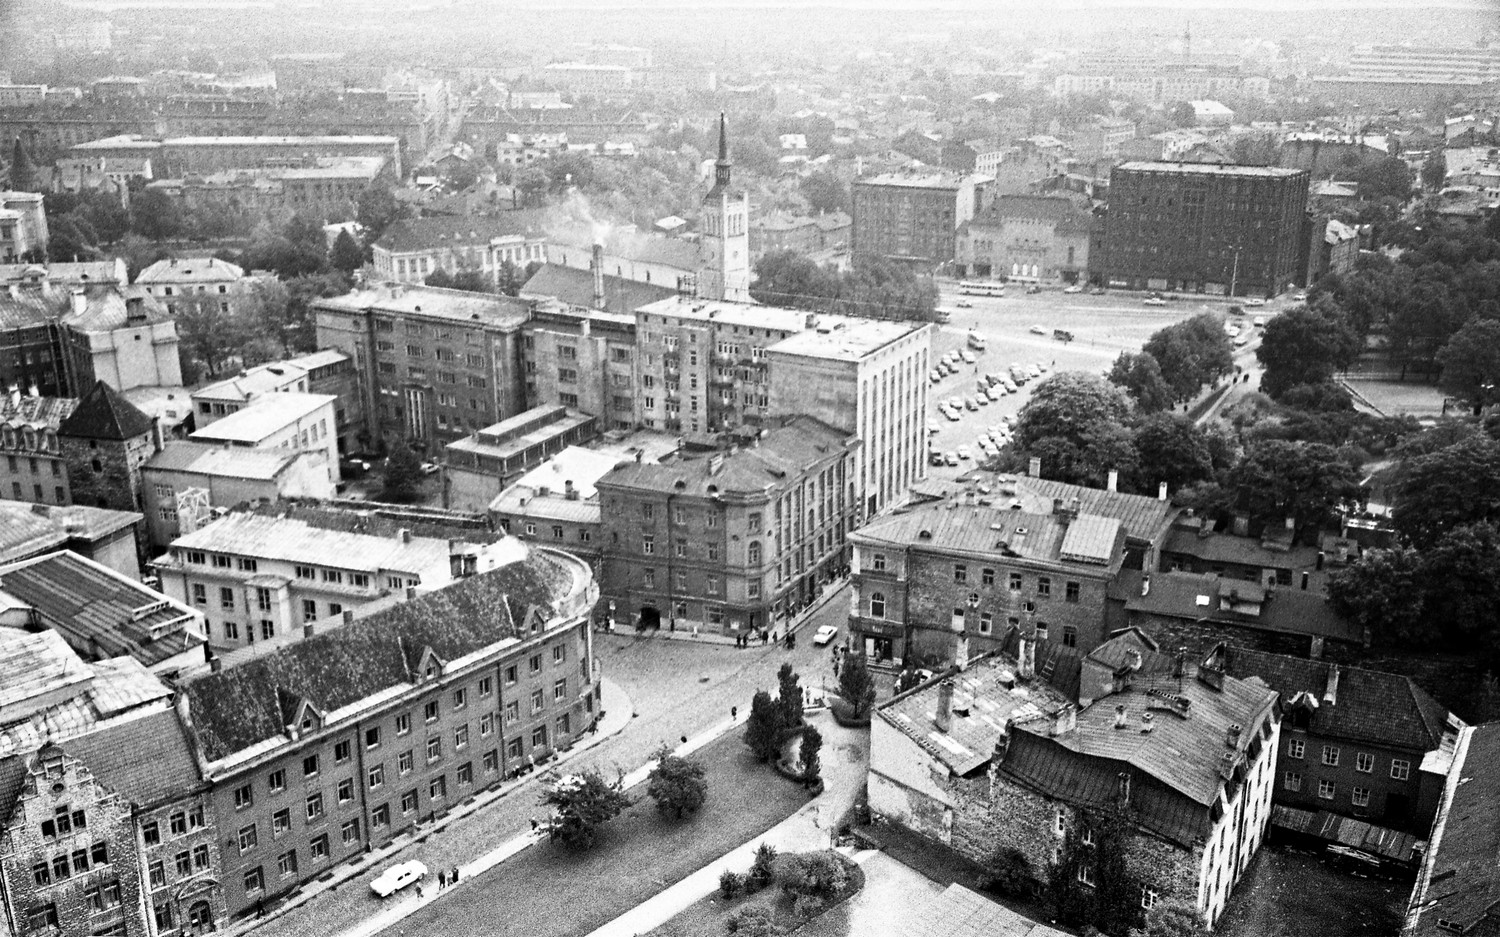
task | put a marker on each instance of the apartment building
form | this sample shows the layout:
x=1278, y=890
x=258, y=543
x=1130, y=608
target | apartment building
x=184, y=483
x=23, y=226
x=1027, y=238
x=320, y=372
x=725, y=544
x=412, y=249
x=434, y=365
x=585, y=360
x=868, y=378
x=324, y=187
x=257, y=576
x=177, y=283
x=914, y=215
x=556, y=504
x=32, y=467
x=298, y=422
x=481, y=465
x=175, y=157
x=338, y=743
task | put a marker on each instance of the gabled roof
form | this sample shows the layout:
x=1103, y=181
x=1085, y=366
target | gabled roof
x=28, y=529
x=987, y=529
x=241, y=706
x=36, y=412
x=104, y=414
x=201, y=458
x=1244, y=551
x=1459, y=886
x=1368, y=705
x=1142, y=517
x=146, y=761
x=575, y=287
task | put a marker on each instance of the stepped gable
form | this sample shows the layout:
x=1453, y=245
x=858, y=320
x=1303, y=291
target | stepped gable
x=104, y=414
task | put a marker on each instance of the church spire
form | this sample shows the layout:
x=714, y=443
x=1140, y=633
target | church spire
x=722, y=164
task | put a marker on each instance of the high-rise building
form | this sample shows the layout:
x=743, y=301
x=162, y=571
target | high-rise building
x=1201, y=228
x=724, y=246
x=914, y=216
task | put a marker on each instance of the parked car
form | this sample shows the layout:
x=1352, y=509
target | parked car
x=951, y=458
x=994, y=392
x=964, y=453
x=1075, y=288
x=968, y=356
x=1038, y=330
x=1300, y=298
x=932, y=426
x=1097, y=291
x=971, y=404
x=934, y=376
x=825, y=634
x=1010, y=387
x=398, y=877
x=952, y=414
x=964, y=304
x=1156, y=301
x=1255, y=302
x=935, y=458
x=431, y=468
x=1259, y=321
x=1033, y=288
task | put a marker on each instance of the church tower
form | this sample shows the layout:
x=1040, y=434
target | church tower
x=724, y=246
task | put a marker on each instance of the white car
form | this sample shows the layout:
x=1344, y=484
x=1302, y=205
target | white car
x=1010, y=386
x=964, y=453
x=934, y=376
x=995, y=392
x=825, y=634
x=398, y=877
x=932, y=426
x=1156, y=301
x=968, y=356
x=1300, y=298
x=431, y=468
x=956, y=402
x=964, y=304
x=1075, y=288
x=952, y=414
x=1255, y=302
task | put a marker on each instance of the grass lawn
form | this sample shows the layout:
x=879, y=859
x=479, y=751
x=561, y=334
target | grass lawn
x=1289, y=894
x=709, y=916
x=636, y=856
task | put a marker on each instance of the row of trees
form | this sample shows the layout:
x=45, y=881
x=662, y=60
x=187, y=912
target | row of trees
x=875, y=289
x=581, y=804
x=1175, y=363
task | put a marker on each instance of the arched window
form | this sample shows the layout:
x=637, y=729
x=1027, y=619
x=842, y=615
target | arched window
x=877, y=604
x=754, y=553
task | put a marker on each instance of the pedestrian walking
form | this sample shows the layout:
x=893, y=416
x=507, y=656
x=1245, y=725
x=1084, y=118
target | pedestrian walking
x=734, y=713
x=453, y=876
x=442, y=879
x=684, y=740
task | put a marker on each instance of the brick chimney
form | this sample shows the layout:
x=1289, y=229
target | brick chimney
x=1026, y=656
x=1113, y=483
x=1034, y=467
x=1331, y=690
x=597, y=266
x=944, y=715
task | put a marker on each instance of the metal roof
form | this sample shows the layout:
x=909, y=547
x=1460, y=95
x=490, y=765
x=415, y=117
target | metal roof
x=203, y=458
x=268, y=414
x=295, y=541
x=1090, y=539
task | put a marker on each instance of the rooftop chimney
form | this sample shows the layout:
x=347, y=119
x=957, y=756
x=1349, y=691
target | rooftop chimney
x=1161, y=491
x=569, y=492
x=1232, y=736
x=598, y=267
x=135, y=309
x=1113, y=483
x=1034, y=468
x=944, y=715
x=1026, y=656
x=1120, y=717
x=403, y=535
x=1331, y=691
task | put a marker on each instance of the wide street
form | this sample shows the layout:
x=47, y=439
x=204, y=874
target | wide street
x=1102, y=327
x=677, y=688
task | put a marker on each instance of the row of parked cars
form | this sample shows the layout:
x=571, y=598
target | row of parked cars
x=950, y=363
x=989, y=443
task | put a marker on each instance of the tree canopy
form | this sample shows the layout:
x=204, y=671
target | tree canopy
x=1305, y=345
x=1304, y=481
x=1454, y=486
x=1471, y=364
x=1191, y=353
x=581, y=804
x=676, y=784
x=874, y=289
x=1140, y=375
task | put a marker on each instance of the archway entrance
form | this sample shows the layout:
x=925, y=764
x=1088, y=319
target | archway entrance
x=650, y=618
x=200, y=917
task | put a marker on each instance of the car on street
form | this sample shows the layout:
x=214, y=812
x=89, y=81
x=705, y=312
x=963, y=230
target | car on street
x=1038, y=330
x=971, y=404
x=964, y=453
x=956, y=402
x=1300, y=298
x=1010, y=386
x=1259, y=321
x=1156, y=301
x=1033, y=372
x=932, y=426
x=825, y=634
x=935, y=457
x=1255, y=302
x=431, y=468
x=1097, y=291
x=934, y=376
x=952, y=414
x=398, y=877
x=1240, y=341
x=964, y=304
x=994, y=392
x=968, y=356
x=1033, y=288
x=951, y=458
x=1075, y=288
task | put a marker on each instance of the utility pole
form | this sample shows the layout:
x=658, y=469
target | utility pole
x=1234, y=273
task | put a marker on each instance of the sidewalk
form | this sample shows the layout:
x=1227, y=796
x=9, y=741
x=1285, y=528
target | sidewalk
x=415, y=901
x=779, y=628
x=618, y=712
x=812, y=827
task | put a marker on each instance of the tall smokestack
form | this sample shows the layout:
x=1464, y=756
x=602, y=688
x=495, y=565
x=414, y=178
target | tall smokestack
x=598, y=268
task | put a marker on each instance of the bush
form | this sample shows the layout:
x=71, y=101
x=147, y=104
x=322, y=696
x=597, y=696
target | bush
x=730, y=883
x=676, y=784
x=812, y=743
x=819, y=874
x=1011, y=874
x=762, y=869
x=806, y=906
x=754, y=921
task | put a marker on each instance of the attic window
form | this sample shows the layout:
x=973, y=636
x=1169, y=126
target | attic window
x=679, y=484
x=430, y=672
x=712, y=489
x=1022, y=530
x=924, y=535
x=307, y=723
x=1201, y=601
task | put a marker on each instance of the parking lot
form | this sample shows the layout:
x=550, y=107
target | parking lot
x=1101, y=326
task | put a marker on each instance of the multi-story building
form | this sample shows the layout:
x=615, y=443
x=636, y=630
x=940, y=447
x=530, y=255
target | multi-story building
x=175, y=282
x=433, y=364
x=1027, y=238
x=583, y=360
x=183, y=484
x=176, y=157
x=23, y=227
x=1040, y=554
x=104, y=536
x=413, y=249
x=728, y=543
x=60, y=338
x=103, y=613
x=104, y=442
x=868, y=378
x=914, y=216
x=31, y=462
x=289, y=420
x=257, y=576
x=574, y=294
x=556, y=504
x=338, y=743
x=325, y=187
x=319, y=372
x=483, y=464
x=801, y=234
x=1101, y=137
x=724, y=242
x=1201, y=227
x=1177, y=762
x=1164, y=83
x=1355, y=742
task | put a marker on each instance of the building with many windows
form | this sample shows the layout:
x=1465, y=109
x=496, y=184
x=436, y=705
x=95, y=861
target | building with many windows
x=319, y=372
x=178, y=284
x=256, y=576
x=175, y=157
x=481, y=465
x=433, y=364
x=1211, y=228
x=584, y=358
x=914, y=215
x=1027, y=238
x=338, y=743
x=31, y=462
x=290, y=420
x=23, y=226
x=727, y=543
x=412, y=249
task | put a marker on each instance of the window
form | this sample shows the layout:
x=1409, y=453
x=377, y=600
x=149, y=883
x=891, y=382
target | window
x=150, y=832
x=372, y=737
x=535, y=663
x=1296, y=748
x=986, y=622
x=310, y=766
x=1364, y=761
x=1088, y=836
x=60, y=869
x=243, y=797
x=559, y=653
x=1043, y=585
x=434, y=749
x=1326, y=789
x=318, y=848
x=430, y=711
x=41, y=917
x=1086, y=875
x=487, y=724
x=512, y=711
x=200, y=594
x=409, y=801
x=877, y=562
x=381, y=816
x=248, y=838
x=177, y=823
x=309, y=610
x=1292, y=781
x=491, y=761
x=157, y=873
x=513, y=748
x=254, y=881
x=1331, y=755
x=538, y=736
x=286, y=863
x=403, y=724
x=1070, y=592
x=960, y=572
x=404, y=762
x=437, y=788
x=349, y=832
x=466, y=773
x=958, y=619
x=1400, y=769
x=1060, y=821
x=536, y=701
x=41, y=874
x=226, y=598
x=487, y=686
x=560, y=690
x=1070, y=636
x=1149, y=898
x=1015, y=582
x=376, y=776
x=648, y=544
x=346, y=790
x=281, y=821
x=200, y=857
x=314, y=807
x=877, y=604
x=1361, y=796
x=460, y=698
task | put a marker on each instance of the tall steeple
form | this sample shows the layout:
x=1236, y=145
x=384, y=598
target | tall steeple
x=722, y=164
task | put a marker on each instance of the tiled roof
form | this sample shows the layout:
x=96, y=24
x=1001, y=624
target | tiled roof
x=1195, y=597
x=779, y=459
x=31, y=307
x=986, y=529
x=959, y=912
x=273, y=537
x=99, y=612
x=1459, y=885
x=146, y=760
x=104, y=414
x=36, y=412
x=576, y=288
x=1369, y=706
x=239, y=706
x=172, y=270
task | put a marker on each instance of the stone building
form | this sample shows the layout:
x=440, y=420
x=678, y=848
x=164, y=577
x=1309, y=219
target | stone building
x=1176, y=761
x=1026, y=238
x=104, y=442
x=914, y=216
x=339, y=742
x=584, y=359
x=31, y=463
x=1042, y=554
x=727, y=543
x=724, y=244
x=412, y=249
